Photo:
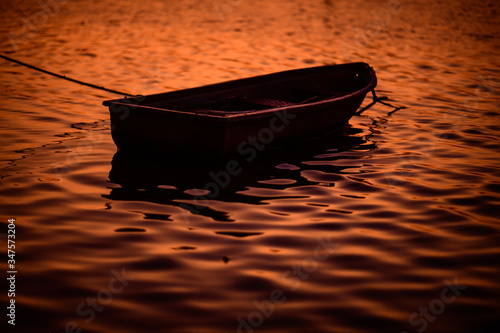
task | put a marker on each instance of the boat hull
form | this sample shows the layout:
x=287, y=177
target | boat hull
x=144, y=123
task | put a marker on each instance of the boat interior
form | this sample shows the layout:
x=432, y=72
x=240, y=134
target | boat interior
x=266, y=95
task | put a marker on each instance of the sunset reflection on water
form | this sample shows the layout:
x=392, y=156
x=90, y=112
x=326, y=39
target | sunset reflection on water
x=355, y=232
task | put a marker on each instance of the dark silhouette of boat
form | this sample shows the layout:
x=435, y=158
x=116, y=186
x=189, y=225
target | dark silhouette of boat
x=242, y=116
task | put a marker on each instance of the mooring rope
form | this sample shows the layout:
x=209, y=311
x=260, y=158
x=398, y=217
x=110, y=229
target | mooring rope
x=380, y=100
x=376, y=99
x=64, y=77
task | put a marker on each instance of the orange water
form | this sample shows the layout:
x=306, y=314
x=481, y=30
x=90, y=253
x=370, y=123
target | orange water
x=400, y=201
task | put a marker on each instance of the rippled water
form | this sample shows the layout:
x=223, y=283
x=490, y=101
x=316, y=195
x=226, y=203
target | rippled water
x=365, y=231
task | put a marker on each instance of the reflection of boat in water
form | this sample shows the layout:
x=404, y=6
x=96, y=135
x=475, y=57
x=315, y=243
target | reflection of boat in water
x=242, y=115
x=142, y=170
x=167, y=179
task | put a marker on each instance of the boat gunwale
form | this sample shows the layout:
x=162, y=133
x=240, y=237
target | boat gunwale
x=233, y=115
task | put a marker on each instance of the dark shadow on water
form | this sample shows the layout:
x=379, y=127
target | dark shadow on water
x=189, y=181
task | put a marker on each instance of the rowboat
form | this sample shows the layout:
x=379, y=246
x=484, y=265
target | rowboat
x=242, y=116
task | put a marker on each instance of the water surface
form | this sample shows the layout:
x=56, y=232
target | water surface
x=354, y=232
